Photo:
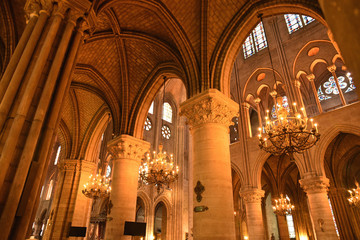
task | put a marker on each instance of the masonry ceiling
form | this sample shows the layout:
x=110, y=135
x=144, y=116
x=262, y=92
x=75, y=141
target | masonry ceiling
x=129, y=45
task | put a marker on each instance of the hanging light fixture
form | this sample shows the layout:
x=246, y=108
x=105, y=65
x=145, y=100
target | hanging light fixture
x=290, y=132
x=159, y=168
x=354, y=198
x=98, y=186
x=283, y=206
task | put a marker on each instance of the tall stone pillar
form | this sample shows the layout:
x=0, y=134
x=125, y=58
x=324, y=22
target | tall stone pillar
x=127, y=152
x=332, y=69
x=209, y=115
x=283, y=228
x=70, y=206
x=343, y=18
x=254, y=218
x=44, y=60
x=245, y=108
x=316, y=190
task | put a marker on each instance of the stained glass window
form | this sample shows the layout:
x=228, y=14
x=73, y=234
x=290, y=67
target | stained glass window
x=291, y=226
x=151, y=109
x=293, y=22
x=166, y=132
x=167, y=112
x=248, y=47
x=108, y=171
x=329, y=88
x=285, y=104
x=307, y=19
x=57, y=155
x=255, y=41
x=49, y=191
x=259, y=37
x=333, y=217
x=148, y=124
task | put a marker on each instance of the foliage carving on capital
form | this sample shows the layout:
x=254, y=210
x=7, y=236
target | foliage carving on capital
x=128, y=147
x=210, y=109
x=35, y=6
x=315, y=185
x=252, y=195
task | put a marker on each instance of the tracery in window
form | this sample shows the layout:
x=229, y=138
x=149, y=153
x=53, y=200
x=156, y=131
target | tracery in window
x=167, y=112
x=57, y=155
x=148, y=124
x=327, y=89
x=255, y=41
x=295, y=21
x=151, y=109
x=291, y=226
x=166, y=132
x=285, y=104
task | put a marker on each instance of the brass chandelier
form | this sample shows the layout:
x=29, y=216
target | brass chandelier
x=159, y=168
x=283, y=206
x=97, y=187
x=289, y=132
x=354, y=198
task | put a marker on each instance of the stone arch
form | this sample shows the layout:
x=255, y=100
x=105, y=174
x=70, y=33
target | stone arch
x=151, y=87
x=324, y=142
x=242, y=23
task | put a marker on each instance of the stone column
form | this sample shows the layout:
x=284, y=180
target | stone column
x=348, y=226
x=297, y=85
x=283, y=228
x=258, y=101
x=70, y=205
x=127, y=152
x=311, y=78
x=209, y=115
x=245, y=108
x=332, y=69
x=343, y=18
x=316, y=190
x=254, y=220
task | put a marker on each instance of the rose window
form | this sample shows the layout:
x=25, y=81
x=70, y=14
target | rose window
x=166, y=132
x=148, y=124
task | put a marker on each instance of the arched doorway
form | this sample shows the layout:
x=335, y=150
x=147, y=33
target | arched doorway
x=160, y=221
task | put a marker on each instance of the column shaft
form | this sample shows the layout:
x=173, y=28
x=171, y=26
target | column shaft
x=127, y=153
x=254, y=218
x=15, y=129
x=15, y=58
x=209, y=114
x=30, y=145
x=283, y=228
x=319, y=207
x=311, y=78
x=20, y=70
x=39, y=165
x=342, y=98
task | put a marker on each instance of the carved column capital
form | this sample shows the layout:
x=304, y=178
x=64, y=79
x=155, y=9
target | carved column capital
x=332, y=68
x=246, y=105
x=34, y=7
x=210, y=106
x=257, y=100
x=310, y=77
x=126, y=146
x=252, y=195
x=315, y=185
x=273, y=93
x=297, y=83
